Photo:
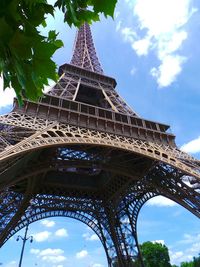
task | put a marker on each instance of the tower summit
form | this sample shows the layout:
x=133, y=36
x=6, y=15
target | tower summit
x=82, y=152
x=84, y=54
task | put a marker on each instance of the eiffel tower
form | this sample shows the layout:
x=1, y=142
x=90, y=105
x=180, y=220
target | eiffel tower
x=82, y=152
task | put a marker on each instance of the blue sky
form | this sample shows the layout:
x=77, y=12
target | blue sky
x=152, y=49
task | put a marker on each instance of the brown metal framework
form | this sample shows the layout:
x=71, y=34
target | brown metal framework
x=82, y=152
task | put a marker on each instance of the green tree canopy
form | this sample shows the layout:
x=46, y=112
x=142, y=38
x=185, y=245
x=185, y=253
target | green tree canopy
x=25, y=55
x=155, y=254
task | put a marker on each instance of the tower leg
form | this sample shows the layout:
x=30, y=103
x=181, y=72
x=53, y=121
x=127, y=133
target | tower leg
x=123, y=233
x=13, y=205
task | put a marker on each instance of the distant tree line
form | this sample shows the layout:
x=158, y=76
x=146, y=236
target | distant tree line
x=194, y=263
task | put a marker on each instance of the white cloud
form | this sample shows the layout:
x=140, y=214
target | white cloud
x=161, y=201
x=188, y=239
x=81, y=254
x=48, y=223
x=142, y=46
x=11, y=264
x=47, y=88
x=157, y=33
x=186, y=255
x=118, y=25
x=168, y=70
x=97, y=265
x=54, y=259
x=133, y=71
x=117, y=13
x=61, y=233
x=52, y=252
x=171, y=45
x=93, y=237
x=50, y=255
x=41, y=236
x=90, y=237
x=180, y=256
x=34, y=251
x=192, y=146
x=128, y=34
x=6, y=96
x=194, y=250
x=175, y=256
x=154, y=16
x=162, y=242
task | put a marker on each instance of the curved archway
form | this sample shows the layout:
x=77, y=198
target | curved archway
x=161, y=220
x=67, y=243
x=85, y=218
x=144, y=187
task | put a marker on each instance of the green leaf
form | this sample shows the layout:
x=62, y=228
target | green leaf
x=104, y=6
x=6, y=80
x=18, y=90
x=72, y=13
x=44, y=24
x=52, y=35
x=21, y=45
x=45, y=68
x=58, y=43
x=58, y=3
x=49, y=9
x=88, y=16
x=25, y=55
x=35, y=16
x=44, y=50
x=6, y=31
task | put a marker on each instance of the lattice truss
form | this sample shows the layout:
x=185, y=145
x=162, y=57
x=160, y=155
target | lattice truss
x=84, y=54
x=51, y=168
x=69, y=85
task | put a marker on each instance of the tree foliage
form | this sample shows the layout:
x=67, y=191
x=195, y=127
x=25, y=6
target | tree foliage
x=25, y=54
x=194, y=263
x=187, y=264
x=155, y=254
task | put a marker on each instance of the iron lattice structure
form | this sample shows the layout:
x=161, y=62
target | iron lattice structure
x=82, y=152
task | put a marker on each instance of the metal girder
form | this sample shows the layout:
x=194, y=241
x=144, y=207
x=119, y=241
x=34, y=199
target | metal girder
x=82, y=152
x=59, y=134
x=84, y=54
